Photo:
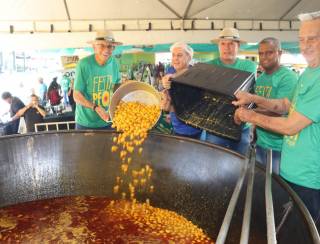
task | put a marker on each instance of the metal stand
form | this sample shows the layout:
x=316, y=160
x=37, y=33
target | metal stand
x=271, y=227
x=232, y=204
x=248, y=204
x=249, y=167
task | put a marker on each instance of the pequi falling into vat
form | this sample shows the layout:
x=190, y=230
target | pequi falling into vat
x=133, y=120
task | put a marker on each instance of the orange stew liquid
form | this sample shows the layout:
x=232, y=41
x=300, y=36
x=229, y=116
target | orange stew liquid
x=86, y=219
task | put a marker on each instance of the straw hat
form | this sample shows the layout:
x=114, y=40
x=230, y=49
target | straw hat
x=104, y=35
x=229, y=33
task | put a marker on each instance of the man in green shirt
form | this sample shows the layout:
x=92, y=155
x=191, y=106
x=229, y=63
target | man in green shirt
x=275, y=82
x=300, y=155
x=229, y=43
x=96, y=76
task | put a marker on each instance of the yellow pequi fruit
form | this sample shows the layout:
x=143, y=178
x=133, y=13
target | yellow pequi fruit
x=133, y=120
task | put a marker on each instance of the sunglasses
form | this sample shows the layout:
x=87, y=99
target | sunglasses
x=109, y=46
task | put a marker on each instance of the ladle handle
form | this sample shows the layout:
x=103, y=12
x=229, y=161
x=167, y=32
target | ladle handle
x=271, y=228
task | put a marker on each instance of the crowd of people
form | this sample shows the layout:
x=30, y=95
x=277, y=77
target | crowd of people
x=286, y=119
x=35, y=111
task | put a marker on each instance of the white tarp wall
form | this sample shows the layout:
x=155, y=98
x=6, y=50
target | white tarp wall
x=66, y=23
x=79, y=39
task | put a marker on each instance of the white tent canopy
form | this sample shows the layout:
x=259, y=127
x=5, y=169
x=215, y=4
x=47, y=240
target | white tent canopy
x=70, y=23
x=55, y=10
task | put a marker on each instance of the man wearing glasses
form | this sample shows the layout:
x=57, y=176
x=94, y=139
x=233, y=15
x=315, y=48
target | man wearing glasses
x=96, y=76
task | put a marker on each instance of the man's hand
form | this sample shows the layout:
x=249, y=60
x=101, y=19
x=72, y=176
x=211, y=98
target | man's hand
x=166, y=83
x=30, y=105
x=243, y=98
x=165, y=103
x=243, y=115
x=102, y=113
x=35, y=104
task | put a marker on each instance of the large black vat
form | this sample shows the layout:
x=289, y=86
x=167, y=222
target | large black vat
x=192, y=178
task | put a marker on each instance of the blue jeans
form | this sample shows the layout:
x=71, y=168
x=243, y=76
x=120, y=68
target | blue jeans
x=195, y=136
x=310, y=198
x=81, y=127
x=65, y=98
x=240, y=147
x=261, y=157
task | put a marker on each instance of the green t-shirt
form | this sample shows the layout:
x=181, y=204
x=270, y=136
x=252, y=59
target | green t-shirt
x=163, y=126
x=279, y=84
x=65, y=84
x=240, y=64
x=96, y=82
x=300, y=156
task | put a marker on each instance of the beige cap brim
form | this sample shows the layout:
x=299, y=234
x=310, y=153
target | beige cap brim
x=216, y=40
x=104, y=41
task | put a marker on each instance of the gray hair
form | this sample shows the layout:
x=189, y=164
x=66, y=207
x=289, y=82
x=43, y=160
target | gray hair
x=274, y=41
x=309, y=16
x=183, y=46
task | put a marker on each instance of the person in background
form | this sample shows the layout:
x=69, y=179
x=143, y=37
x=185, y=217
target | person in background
x=70, y=96
x=96, y=77
x=181, y=57
x=54, y=93
x=300, y=154
x=65, y=85
x=33, y=113
x=15, y=105
x=229, y=43
x=42, y=91
x=275, y=82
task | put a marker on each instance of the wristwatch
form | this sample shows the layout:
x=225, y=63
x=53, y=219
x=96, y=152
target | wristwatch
x=94, y=107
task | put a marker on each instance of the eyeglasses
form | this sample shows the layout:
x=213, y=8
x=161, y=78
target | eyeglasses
x=109, y=46
x=309, y=39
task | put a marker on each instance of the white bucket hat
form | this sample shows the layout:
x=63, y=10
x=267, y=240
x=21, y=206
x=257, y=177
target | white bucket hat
x=229, y=33
x=105, y=35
